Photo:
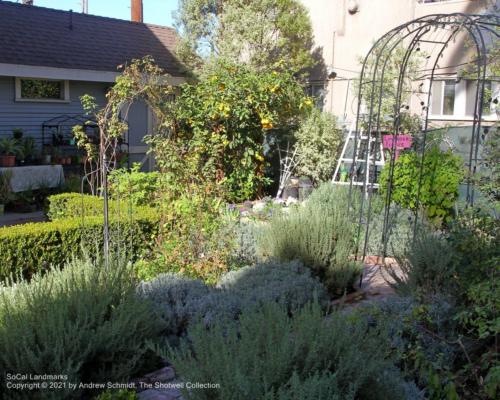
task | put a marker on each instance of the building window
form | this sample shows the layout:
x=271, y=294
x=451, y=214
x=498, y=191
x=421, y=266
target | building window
x=456, y=99
x=43, y=90
x=317, y=92
x=448, y=97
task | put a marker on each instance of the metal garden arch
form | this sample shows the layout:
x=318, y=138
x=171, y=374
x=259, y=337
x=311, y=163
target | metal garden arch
x=438, y=31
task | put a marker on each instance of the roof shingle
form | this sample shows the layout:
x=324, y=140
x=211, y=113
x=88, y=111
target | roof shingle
x=31, y=35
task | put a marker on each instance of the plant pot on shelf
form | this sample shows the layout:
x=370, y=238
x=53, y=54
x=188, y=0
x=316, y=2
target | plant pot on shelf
x=7, y=160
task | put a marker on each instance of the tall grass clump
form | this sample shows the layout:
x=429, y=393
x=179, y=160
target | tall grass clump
x=320, y=234
x=84, y=321
x=271, y=355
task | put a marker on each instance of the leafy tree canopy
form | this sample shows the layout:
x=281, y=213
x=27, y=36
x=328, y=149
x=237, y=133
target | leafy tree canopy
x=258, y=32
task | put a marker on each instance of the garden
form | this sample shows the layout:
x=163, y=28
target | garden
x=232, y=270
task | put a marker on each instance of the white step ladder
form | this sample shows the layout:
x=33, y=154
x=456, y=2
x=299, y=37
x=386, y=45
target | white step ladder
x=362, y=153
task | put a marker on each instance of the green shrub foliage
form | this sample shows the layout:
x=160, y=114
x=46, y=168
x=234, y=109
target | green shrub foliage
x=320, y=234
x=84, y=321
x=422, y=339
x=219, y=125
x=71, y=205
x=181, y=300
x=134, y=187
x=441, y=176
x=269, y=355
x=118, y=395
x=27, y=248
x=400, y=229
x=463, y=265
x=318, y=140
x=426, y=266
x=197, y=238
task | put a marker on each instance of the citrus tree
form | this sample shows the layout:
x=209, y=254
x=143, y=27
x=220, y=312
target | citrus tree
x=220, y=124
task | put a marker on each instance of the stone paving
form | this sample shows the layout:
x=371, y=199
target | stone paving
x=9, y=219
x=160, y=385
x=375, y=284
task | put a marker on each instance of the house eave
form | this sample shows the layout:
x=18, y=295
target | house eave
x=34, y=71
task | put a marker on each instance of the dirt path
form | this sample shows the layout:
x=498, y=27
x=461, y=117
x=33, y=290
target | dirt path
x=375, y=284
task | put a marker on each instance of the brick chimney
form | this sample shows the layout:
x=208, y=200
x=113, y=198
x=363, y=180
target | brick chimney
x=136, y=10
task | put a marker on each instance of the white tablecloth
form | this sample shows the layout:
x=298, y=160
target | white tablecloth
x=35, y=177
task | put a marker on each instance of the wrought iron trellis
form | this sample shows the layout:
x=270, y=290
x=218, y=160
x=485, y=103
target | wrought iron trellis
x=100, y=168
x=437, y=30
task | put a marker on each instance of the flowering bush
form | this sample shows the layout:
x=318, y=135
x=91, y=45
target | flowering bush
x=220, y=124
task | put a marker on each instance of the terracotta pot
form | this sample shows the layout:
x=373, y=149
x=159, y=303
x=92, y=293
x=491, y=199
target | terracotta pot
x=7, y=161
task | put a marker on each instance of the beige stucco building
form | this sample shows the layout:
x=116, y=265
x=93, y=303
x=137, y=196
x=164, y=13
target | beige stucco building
x=344, y=31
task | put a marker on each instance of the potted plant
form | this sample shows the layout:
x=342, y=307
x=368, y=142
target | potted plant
x=5, y=190
x=56, y=156
x=28, y=149
x=8, y=150
x=46, y=157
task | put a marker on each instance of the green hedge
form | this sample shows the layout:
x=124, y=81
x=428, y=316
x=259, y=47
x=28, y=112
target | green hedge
x=70, y=205
x=25, y=249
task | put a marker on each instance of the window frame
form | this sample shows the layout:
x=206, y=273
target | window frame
x=460, y=103
x=65, y=99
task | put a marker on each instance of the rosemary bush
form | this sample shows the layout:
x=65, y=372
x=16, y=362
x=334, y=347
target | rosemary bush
x=320, y=234
x=84, y=321
x=269, y=354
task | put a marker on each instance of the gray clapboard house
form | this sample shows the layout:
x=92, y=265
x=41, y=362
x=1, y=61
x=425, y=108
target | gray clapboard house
x=70, y=54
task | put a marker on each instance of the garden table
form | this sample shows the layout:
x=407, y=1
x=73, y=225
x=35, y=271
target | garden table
x=35, y=177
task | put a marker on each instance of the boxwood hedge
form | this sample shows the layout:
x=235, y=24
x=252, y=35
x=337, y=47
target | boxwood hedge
x=25, y=249
x=69, y=205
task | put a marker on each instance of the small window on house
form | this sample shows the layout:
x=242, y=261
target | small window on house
x=443, y=97
x=28, y=89
x=456, y=98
